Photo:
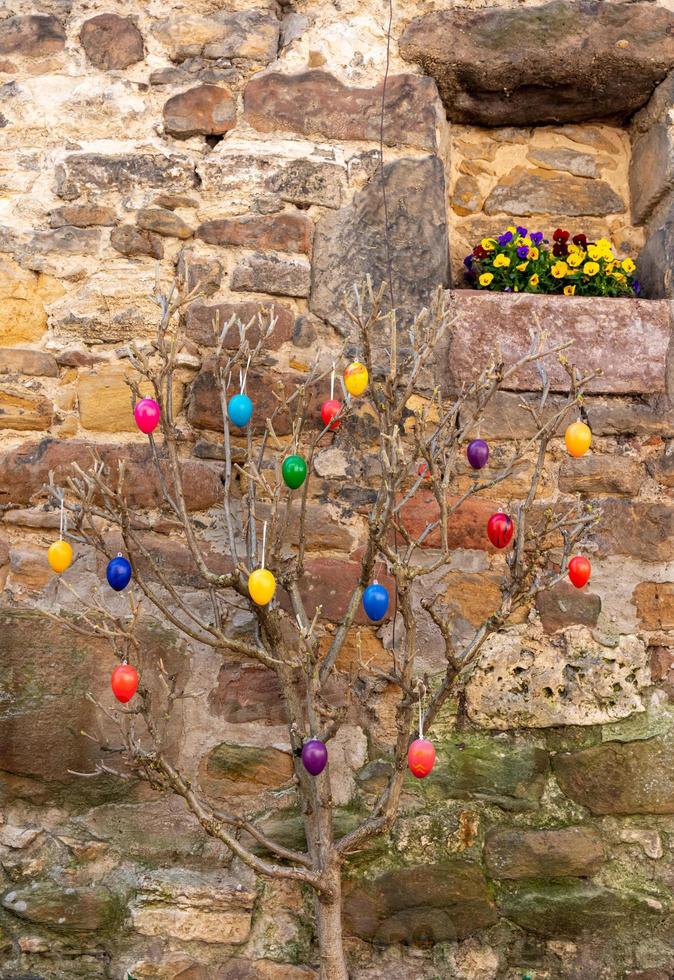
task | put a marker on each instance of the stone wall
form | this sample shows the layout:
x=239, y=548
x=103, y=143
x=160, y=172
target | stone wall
x=237, y=144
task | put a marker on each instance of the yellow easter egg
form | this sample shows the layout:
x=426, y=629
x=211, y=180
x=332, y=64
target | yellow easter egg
x=355, y=378
x=60, y=556
x=261, y=586
x=578, y=437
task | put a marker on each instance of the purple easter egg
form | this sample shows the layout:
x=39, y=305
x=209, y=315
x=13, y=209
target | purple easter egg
x=314, y=756
x=477, y=453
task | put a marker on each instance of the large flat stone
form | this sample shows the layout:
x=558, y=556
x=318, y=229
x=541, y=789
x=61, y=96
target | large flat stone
x=570, y=679
x=350, y=244
x=82, y=172
x=565, y=61
x=656, y=258
x=316, y=103
x=245, y=34
x=617, y=777
x=419, y=905
x=525, y=192
x=65, y=909
x=639, y=528
x=626, y=338
x=567, y=852
x=651, y=172
x=31, y=36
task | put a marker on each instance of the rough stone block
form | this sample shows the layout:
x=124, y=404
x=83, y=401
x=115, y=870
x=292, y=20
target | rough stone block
x=82, y=172
x=591, y=474
x=34, y=363
x=24, y=410
x=270, y=274
x=111, y=41
x=232, y=770
x=200, y=320
x=31, y=36
x=23, y=298
x=637, y=528
x=575, y=852
x=655, y=605
x=651, y=169
x=133, y=241
x=105, y=400
x=567, y=606
x=161, y=221
x=285, y=232
x=251, y=35
x=207, y=110
x=524, y=192
x=64, y=909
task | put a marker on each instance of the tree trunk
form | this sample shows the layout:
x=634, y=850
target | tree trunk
x=329, y=930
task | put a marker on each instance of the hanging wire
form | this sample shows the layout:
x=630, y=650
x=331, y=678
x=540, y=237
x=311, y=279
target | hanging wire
x=264, y=541
x=332, y=382
x=63, y=519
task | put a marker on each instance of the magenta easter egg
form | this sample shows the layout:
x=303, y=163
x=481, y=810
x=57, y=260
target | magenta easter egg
x=147, y=414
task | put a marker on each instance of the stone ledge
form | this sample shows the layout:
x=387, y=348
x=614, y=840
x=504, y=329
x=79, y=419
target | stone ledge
x=627, y=339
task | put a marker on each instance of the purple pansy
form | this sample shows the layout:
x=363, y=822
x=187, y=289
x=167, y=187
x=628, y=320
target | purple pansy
x=522, y=232
x=468, y=261
x=636, y=286
x=505, y=238
x=523, y=251
x=537, y=237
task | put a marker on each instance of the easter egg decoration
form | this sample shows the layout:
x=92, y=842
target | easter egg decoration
x=118, y=573
x=421, y=758
x=314, y=756
x=579, y=571
x=578, y=437
x=60, y=555
x=261, y=582
x=294, y=471
x=147, y=414
x=375, y=601
x=240, y=410
x=423, y=469
x=500, y=530
x=124, y=682
x=477, y=453
x=355, y=378
x=329, y=410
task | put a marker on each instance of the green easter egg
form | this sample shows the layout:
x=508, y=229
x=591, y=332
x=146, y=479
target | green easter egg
x=294, y=471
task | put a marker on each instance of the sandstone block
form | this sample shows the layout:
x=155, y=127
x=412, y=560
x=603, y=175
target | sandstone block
x=163, y=222
x=285, y=232
x=627, y=338
x=317, y=104
x=31, y=36
x=592, y=474
x=654, y=264
x=63, y=909
x=82, y=216
x=30, y=362
x=200, y=320
x=306, y=182
x=567, y=606
x=111, y=41
x=570, y=161
x=663, y=470
x=260, y=273
x=22, y=409
x=247, y=692
x=655, y=605
x=467, y=526
x=617, y=777
x=251, y=35
x=207, y=110
x=637, y=528
x=493, y=64
x=80, y=172
x=575, y=852
x=205, y=274
x=23, y=297
x=105, y=400
x=524, y=192
x=232, y=770
x=651, y=169
x=133, y=241
x=349, y=244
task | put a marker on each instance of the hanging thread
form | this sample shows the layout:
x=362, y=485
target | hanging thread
x=63, y=519
x=264, y=541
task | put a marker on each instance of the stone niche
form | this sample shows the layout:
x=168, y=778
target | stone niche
x=561, y=116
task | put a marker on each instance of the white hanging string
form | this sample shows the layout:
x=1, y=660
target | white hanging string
x=421, y=717
x=245, y=376
x=332, y=382
x=63, y=520
x=264, y=541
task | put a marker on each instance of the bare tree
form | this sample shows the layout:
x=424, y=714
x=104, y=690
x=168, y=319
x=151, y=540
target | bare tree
x=303, y=649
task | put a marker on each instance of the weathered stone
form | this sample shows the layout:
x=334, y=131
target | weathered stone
x=105, y=400
x=622, y=475
x=569, y=679
x=24, y=410
x=203, y=275
x=617, y=777
x=493, y=65
x=201, y=318
x=251, y=35
x=270, y=274
x=663, y=470
x=31, y=36
x=466, y=197
x=24, y=471
x=654, y=264
x=286, y=232
x=172, y=966
x=318, y=104
x=82, y=216
x=240, y=969
x=575, y=852
x=564, y=606
x=306, y=182
x=99, y=172
x=68, y=240
x=193, y=907
x=27, y=568
x=570, y=161
x=655, y=605
x=350, y=244
x=30, y=362
x=163, y=222
x=246, y=693
x=570, y=908
x=467, y=527
x=637, y=528
x=524, y=192
x=23, y=297
x=651, y=169
x=627, y=339
x=419, y=905
x=207, y=110
x=63, y=909
x=232, y=770
x=329, y=581
x=111, y=41
x=134, y=241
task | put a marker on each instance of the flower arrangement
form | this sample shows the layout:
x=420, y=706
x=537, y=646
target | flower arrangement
x=519, y=261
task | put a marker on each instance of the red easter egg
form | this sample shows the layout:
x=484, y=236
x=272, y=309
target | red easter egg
x=124, y=682
x=500, y=530
x=423, y=469
x=579, y=571
x=421, y=758
x=329, y=409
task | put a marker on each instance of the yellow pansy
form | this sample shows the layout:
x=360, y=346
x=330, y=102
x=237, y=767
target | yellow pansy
x=486, y=278
x=569, y=290
x=619, y=276
x=590, y=268
x=628, y=266
x=533, y=253
x=534, y=280
x=594, y=252
x=512, y=229
x=501, y=262
x=575, y=260
x=604, y=244
x=559, y=270
x=488, y=244
x=522, y=266
x=573, y=249
x=609, y=267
